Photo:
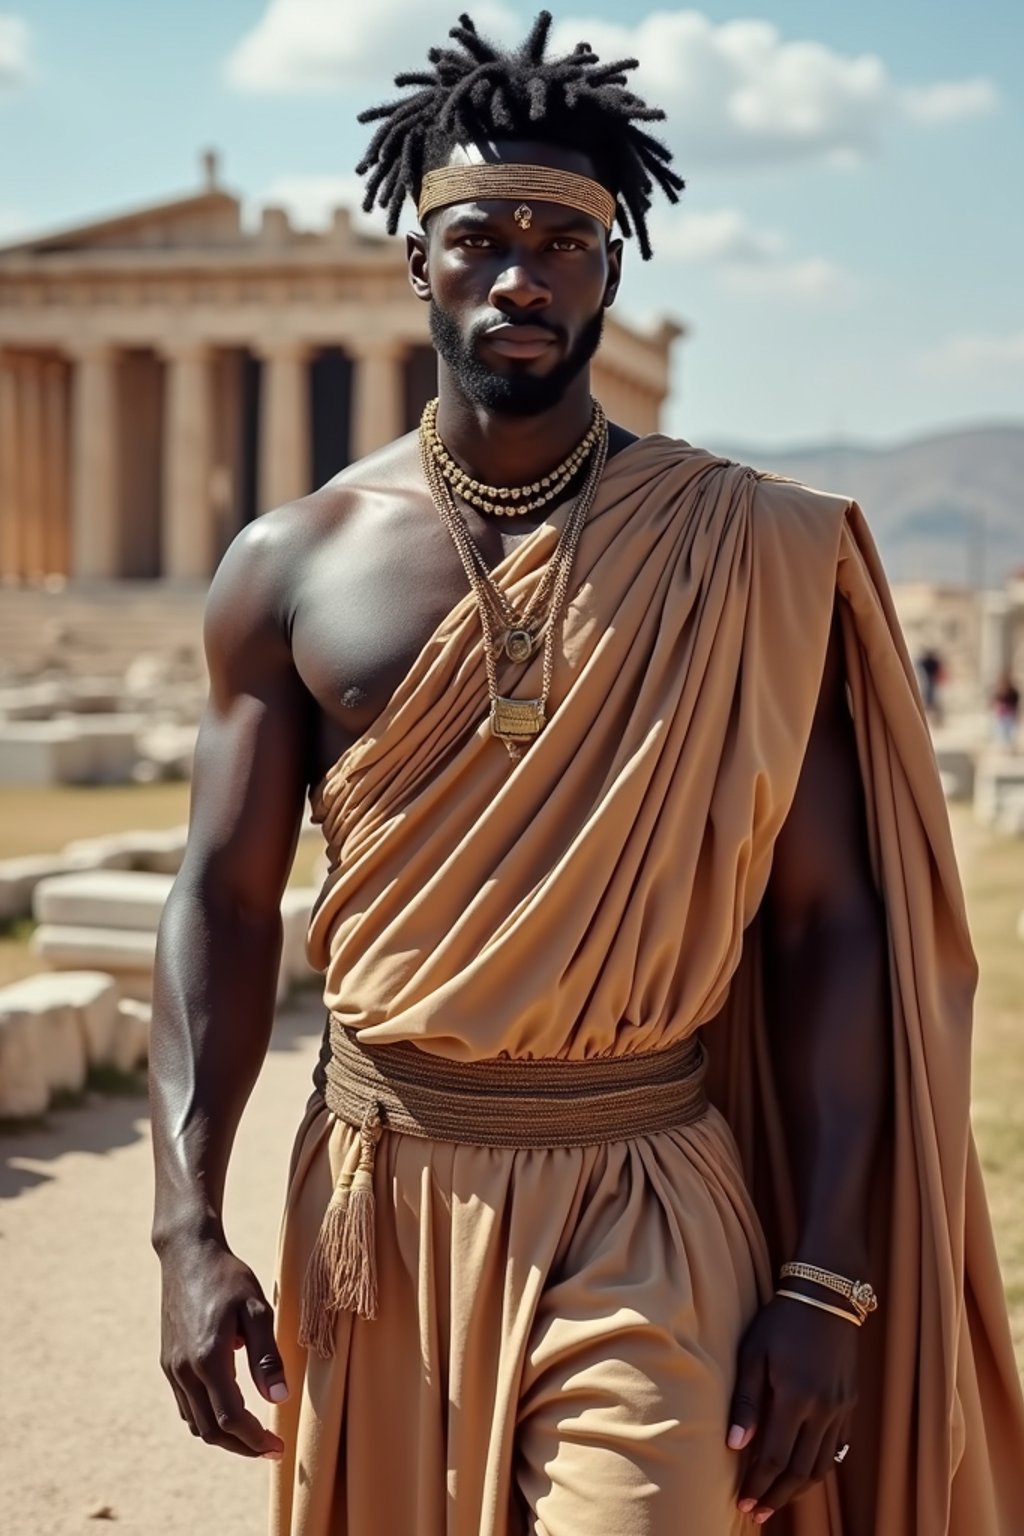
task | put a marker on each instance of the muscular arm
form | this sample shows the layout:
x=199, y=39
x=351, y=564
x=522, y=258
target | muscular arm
x=217, y=957
x=828, y=992
x=828, y=1018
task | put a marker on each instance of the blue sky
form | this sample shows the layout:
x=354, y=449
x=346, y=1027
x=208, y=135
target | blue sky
x=849, y=252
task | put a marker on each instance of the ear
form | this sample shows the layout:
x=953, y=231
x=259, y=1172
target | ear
x=614, y=272
x=417, y=257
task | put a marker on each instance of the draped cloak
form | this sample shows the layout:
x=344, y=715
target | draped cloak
x=601, y=896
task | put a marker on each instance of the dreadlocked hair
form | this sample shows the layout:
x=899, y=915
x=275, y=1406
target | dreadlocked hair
x=476, y=91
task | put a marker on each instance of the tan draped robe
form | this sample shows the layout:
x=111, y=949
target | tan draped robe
x=557, y=1329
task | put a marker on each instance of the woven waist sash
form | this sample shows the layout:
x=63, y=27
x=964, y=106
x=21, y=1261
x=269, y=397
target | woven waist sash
x=495, y=1103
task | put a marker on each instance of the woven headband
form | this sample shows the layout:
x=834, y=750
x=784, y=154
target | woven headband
x=477, y=183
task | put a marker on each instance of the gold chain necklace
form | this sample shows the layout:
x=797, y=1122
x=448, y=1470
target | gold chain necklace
x=504, y=500
x=517, y=721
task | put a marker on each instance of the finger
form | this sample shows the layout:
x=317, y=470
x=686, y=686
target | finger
x=797, y=1476
x=183, y=1407
x=256, y=1323
x=747, y=1400
x=825, y=1462
x=773, y=1450
x=216, y=1371
x=210, y=1432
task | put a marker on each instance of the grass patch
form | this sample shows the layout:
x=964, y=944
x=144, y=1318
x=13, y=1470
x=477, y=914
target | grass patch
x=993, y=870
x=45, y=818
x=115, y=1082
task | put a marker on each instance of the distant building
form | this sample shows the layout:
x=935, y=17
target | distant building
x=978, y=634
x=166, y=375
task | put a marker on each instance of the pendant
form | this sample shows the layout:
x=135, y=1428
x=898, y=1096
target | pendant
x=519, y=645
x=517, y=720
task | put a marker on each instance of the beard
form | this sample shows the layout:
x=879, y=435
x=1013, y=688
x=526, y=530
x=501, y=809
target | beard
x=514, y=393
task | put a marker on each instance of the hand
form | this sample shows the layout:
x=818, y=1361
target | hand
x=794, y=1398
x=212, y=1306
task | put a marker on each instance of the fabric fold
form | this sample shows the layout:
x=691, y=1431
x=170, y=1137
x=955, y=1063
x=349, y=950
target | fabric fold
x=601, y=897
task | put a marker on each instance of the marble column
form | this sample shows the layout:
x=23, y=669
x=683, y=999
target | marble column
x=186, y=529
x=33, y=477
x=995, y=639
x=284, y=426
x=55, y=469
x=10, y=464
x=95, y=490
x=378, y=404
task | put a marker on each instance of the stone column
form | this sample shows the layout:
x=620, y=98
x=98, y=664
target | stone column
x=378, y=396
x=10, y=500
x=284, y=442
x=55, y=407
x=33, y=478
x=186, y=531
x=994, y=647
x=95, y=490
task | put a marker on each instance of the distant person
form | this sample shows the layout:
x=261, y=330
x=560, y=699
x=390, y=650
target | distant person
x=931, y=674
x=648, y=1045
x=1006, y=711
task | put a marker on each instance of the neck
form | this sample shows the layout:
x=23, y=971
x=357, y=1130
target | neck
x=510, y=450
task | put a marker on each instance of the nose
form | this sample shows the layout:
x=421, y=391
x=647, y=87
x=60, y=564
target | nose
x=516, y=288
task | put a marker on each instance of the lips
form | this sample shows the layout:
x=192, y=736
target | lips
x=521, y=341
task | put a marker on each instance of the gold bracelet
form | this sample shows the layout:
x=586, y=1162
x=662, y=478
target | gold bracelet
x=823, y=1306
x=858, y=1293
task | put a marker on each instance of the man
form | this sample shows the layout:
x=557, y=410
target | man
x=612, y=742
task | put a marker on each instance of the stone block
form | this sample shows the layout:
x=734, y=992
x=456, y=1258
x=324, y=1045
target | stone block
x=125, y=954
x=23, y=1086
x=88, y=749
x=19, y=878
x=91, y=995
x=94, y=695
x=103, y=899
x=956, y=770
x=166, y=751
x=96, y=853
x=54, y=1036
x=159, y=852
x=34, y=701
x=998, y=781
x=131, y=1034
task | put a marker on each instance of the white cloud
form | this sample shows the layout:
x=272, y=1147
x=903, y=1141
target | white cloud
x=14, y=52
x=736, y=93
x=723, y=235
x=976, y=355
x=741, y=94
x=327, y=45
x=748, y=259
x=951, y=100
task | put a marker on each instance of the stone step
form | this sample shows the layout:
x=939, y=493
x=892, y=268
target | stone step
x=103, y=899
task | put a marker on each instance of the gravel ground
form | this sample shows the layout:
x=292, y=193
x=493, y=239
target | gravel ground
x=87, y=1422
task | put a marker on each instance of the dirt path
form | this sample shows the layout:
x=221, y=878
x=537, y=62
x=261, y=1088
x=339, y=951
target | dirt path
x=86, y=1419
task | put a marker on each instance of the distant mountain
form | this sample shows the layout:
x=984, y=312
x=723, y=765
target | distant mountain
x=948, y=508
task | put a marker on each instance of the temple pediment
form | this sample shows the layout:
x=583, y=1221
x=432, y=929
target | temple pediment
x=205, y=219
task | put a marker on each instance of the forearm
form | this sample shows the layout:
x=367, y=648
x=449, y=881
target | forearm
x=213, y=1011
x=831, y=1047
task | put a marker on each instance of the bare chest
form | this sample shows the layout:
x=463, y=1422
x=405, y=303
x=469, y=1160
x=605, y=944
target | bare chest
x=366, y=606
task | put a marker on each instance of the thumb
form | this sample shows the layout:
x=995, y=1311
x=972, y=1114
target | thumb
x=745, y=1407
x=256, y=1325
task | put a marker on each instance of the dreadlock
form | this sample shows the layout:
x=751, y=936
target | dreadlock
x=477, y=91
